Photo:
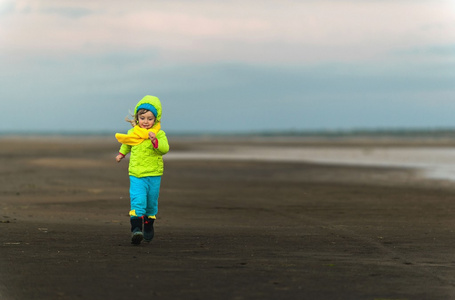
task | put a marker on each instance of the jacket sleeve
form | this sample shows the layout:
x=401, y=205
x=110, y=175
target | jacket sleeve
x=125, y=149
x=163, y=144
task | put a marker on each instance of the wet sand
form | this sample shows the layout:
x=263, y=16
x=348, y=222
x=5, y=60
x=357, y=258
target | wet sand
x=227, y=229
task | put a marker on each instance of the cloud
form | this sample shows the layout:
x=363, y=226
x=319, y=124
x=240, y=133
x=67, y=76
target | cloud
x=223, y=97
x=70, y=12
x=228, y=65
x=275, y=32
x=6, y=7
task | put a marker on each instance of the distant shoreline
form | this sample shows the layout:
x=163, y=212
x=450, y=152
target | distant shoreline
x=354, y=138
x=324, y=133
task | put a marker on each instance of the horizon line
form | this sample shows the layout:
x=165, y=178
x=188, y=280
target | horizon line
x=444, y=131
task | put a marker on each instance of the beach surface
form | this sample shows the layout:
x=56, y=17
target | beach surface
x=239, y=218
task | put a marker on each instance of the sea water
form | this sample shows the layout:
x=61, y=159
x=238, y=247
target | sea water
x=435, y=162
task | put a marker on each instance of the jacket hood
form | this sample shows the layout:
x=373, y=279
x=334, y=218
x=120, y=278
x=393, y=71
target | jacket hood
x=153, y=101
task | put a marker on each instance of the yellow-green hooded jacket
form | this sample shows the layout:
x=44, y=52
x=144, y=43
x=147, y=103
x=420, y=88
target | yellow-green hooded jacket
x=145, y=160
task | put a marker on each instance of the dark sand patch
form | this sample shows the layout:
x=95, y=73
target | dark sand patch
x=226, y=230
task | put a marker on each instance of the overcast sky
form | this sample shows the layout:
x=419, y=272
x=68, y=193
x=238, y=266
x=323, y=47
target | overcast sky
x=224, y=66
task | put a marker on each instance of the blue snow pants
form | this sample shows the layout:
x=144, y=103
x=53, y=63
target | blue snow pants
x=144, y=193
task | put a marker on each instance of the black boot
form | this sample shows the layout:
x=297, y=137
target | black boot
x=149, y=232
x=136, y=230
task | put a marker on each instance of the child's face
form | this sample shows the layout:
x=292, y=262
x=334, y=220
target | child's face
x=146, y=120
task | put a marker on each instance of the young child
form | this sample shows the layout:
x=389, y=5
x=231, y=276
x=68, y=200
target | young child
x=147, y=144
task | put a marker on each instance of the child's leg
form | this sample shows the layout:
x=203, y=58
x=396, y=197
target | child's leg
x=154, y=184
x=136, y=230
x=138, y=196
x=138, y=201
x=149, y=232
x=152, y=207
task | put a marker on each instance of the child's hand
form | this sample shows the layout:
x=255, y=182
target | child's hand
x=152, y=136
x=119, y=157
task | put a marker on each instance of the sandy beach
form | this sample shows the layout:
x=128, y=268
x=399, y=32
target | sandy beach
x=238, y=219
